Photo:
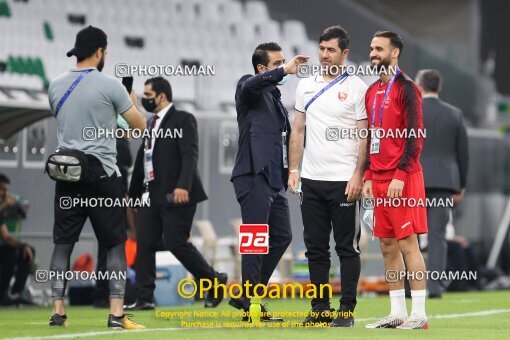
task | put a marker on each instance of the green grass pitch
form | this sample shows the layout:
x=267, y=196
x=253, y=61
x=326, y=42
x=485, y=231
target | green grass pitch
x=480, y=315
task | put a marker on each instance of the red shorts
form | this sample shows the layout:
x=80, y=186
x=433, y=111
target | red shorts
x=400, y=220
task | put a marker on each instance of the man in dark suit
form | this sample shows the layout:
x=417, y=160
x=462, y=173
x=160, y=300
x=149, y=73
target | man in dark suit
x=445, y=164
x=166, y=170
x=260, y=172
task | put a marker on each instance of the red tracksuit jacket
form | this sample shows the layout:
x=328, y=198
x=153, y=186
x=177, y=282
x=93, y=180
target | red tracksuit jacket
x=397, y=157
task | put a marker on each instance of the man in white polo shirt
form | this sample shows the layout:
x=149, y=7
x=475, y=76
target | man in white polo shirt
x=330, y=102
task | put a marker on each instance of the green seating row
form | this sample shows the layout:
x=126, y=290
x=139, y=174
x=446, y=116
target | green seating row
x=27, y=65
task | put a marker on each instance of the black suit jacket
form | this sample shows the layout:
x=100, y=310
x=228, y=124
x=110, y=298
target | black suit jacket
x=174, y=161
x=444, y=157
x=260, y=123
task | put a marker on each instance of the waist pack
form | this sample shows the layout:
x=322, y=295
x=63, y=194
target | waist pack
x=70, y=165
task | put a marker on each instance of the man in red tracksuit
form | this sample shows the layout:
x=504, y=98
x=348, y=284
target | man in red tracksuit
x=394, y=175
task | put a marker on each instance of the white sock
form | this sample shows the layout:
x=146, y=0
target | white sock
x=398, y=303
x=418, y=306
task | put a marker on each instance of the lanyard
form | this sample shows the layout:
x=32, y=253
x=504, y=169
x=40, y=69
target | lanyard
x=152, y=125
x=70, y=89
x=327, y=87
x=386, y=94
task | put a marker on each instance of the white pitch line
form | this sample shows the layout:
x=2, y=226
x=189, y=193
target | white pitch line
x=454, y=316
x=466, y=300
x=480, y=313
x=110, y=332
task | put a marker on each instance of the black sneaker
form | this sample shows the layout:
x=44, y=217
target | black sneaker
x=211, y=301
x=58, y=320
x=343, y=319
x=139, y=305
x=319, y=317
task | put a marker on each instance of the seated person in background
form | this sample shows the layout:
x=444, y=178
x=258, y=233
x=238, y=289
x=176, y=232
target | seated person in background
x=16, y=258
x=461, y=258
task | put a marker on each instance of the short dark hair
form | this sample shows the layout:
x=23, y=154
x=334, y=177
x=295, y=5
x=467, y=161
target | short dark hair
x=4, y=179
x=430, y=80
x=336, y=32
x=160, y=85
x=395, y=39
x=260, y=55
x=87, y=53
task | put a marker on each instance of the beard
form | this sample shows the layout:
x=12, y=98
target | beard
x=382, y=66
x=100, y=66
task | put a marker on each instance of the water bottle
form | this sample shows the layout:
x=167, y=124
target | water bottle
x=255, y=310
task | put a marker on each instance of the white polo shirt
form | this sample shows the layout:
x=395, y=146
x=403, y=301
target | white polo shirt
x=340, y=107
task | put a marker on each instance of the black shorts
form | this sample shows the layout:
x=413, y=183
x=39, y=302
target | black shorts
x=109, y=223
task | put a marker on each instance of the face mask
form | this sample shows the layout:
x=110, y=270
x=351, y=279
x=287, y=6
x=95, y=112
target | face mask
x=121, y=122
x=149, y=104
x=284, y=79
x=367, y=218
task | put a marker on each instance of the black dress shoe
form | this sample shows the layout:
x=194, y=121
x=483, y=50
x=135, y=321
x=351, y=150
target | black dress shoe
x=241, y=303
x=343, y=321
x=267, y=316
x=244, y=304
x=318, y=318
x=139, y=305
x=212, y=301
